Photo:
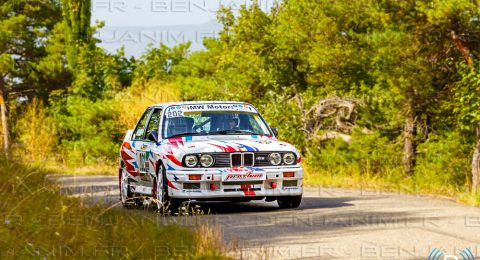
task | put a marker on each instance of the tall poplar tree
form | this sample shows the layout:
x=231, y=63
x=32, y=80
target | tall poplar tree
x=77, y=15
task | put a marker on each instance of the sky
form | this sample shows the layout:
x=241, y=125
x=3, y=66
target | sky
x=135, y=24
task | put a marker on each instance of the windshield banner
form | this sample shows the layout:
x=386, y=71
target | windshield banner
x=178, y=111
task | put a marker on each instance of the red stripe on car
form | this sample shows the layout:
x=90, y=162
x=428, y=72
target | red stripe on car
x=246, y=190
x=170, y=184
x=172, y=158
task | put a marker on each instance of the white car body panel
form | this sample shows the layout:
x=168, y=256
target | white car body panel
x=141, y=160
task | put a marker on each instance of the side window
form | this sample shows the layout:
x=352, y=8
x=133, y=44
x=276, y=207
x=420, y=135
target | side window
x=256, y=125
x=141, y=126
x=154, y=122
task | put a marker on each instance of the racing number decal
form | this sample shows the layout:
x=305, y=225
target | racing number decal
x=142, y=162
x=176, y=113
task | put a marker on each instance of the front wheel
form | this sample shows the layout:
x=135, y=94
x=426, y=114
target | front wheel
x=163, y=202
x=289, y=202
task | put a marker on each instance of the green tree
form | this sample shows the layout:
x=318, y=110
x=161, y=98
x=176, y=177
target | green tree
x=24, y=28
x=412, y=54
x=397, y=56
x=78, y=33
x=466, y=106
x=159, y=63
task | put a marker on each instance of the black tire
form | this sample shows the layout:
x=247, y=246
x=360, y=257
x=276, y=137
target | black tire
x=129, y=201
x=170, y=204
x=289, y=202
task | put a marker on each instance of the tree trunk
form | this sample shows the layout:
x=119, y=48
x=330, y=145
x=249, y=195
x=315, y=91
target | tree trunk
x=476, y=163
x=467, y=55
x=409, y=133
x=4, y=118
x=304, y=120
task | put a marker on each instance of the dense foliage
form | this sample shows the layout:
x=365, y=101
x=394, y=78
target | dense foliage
x=411, y=67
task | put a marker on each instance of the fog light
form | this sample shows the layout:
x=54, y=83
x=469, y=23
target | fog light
x=290, y=183
x=191, y=186
x=195, y=177
x=273, y=185
x=288, y=174
x=212, y=186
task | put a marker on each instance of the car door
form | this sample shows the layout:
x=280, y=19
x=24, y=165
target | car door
x=152, y=127
x=144, y=146
x=138, y=143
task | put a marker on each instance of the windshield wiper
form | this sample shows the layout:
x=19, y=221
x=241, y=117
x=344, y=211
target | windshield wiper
x=240, y=132
x=225, y=132
x=222, y=132
x=184, y=134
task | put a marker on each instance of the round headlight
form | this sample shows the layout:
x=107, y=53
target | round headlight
x=289, y=158
x=275, y=158
x=206, y=160
x=191, y=161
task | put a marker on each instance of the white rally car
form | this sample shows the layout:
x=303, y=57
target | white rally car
x=207, y=151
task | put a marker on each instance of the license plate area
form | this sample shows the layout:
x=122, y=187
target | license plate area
x=245, y=186
x=237, y=183
x=241, y=189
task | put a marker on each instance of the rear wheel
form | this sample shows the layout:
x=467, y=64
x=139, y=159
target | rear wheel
x=126, y=195
x=289, y=202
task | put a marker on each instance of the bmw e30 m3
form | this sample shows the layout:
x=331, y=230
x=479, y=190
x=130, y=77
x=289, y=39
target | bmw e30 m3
x=207, y=151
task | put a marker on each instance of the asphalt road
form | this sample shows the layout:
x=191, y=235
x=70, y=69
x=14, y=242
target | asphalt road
x=330, y=223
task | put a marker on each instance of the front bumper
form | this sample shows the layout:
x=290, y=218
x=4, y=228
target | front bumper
x=223, y=183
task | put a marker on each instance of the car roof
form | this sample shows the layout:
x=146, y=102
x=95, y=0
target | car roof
x=164, y=105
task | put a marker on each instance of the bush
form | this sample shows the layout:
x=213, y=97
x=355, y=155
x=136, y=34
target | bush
x=88, y=130
x=443, y=163
x=367, y=154
x=36, y=133
x=283, y=114
x=371, y=161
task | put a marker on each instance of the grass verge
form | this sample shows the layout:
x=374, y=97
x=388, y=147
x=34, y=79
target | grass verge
x=37, y=222
x=390, y=181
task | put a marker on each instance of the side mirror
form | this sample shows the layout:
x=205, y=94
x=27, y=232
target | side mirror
x=275, y=131
x=153, y=136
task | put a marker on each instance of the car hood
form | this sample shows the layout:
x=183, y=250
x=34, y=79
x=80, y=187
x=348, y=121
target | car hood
x=233, y=143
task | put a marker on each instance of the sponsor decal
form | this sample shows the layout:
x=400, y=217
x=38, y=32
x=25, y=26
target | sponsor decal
x=246, y=176
x=191, y=191
x=242, y=170
x=263, y=141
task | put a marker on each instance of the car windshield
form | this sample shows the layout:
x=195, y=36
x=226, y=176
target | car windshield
x=180, y=123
